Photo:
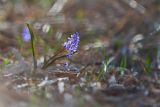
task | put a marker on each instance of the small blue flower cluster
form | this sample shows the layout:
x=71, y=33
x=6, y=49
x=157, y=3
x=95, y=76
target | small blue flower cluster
x=72, y=44
x=25, y=34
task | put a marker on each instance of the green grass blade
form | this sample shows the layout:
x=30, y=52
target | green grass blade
x=123, y=65
x=104, y=68
x=32, y=45
x=101, y=72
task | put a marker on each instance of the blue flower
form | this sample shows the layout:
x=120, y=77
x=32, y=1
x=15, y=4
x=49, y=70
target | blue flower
x=26, y=35
x=72, y=44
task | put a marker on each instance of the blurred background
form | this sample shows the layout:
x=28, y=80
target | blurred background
x=96, y=20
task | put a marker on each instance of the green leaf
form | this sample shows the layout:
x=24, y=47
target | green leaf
x=32, y=45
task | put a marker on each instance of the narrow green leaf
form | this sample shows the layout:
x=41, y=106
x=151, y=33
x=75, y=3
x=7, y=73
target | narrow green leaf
x=123, y=65
x=53, y=58
x=103, y=69
x=32, y=45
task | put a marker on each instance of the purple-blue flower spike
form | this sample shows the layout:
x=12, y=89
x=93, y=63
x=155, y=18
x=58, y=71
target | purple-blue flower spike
x=26, y=35
x=72, y=44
